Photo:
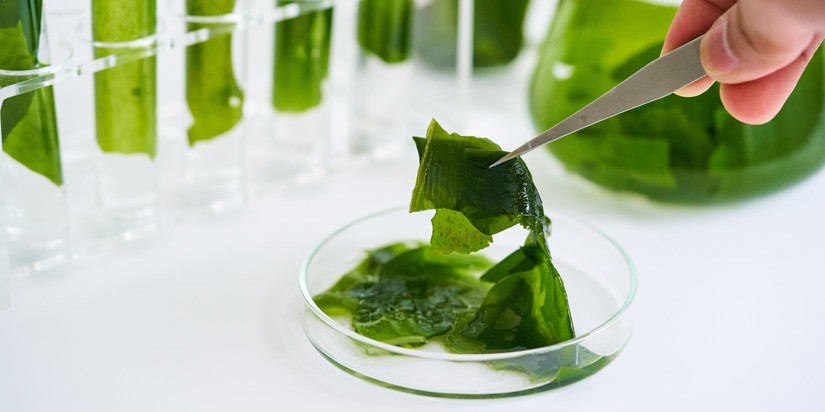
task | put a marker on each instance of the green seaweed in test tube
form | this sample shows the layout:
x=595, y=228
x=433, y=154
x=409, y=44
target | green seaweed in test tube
x=384, y=28
x=125, y=95
x=212, y=92
x=497, y=31
x=29, y=120
x=302, y=47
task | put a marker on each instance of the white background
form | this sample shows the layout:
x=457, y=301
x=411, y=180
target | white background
x=205, y=316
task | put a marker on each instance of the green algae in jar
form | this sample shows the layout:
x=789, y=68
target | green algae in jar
x=675, y=149
x=497, y=31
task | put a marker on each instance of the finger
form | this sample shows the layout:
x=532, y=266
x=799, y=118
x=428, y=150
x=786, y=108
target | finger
x=693, y=19
x=755, y=38
x=696, y=88
x=758, y=101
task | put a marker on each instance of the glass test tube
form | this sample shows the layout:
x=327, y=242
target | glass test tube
x=126, y=108
x=34, y=198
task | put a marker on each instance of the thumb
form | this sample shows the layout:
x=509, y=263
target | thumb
x=754, y=39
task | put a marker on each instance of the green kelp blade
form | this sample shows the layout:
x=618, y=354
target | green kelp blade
x=405, y=294
x=556, y=368
x=209, y=7
x=125, y=107
x=453, y=232
x=497, y=32
x=125, y=95
x=520, y=260
x=527, y=306
x=212, y=92
x=20, y=18
x=302, y=46
x=453, y=174
x=28, y=121
x=384, y=28
x=14, y=55
x=33, y=139
x=419, y=295
x=336, y=301
x=123, y=20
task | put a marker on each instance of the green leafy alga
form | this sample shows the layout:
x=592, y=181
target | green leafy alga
x=497, y=31
x=410, y=294
x=302, y=47
x=212, y=93
x=125, y=95
x=405, y=294
x=384, y=28
x=29, y=121
x=527, y=304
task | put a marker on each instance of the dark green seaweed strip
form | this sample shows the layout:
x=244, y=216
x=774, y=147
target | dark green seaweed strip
x=301, y=59
x=212, y=93
x=527, y=305
x=384, y=28
x=405, y=294
x=497, y=32
x=125, y=95
x=29, y=121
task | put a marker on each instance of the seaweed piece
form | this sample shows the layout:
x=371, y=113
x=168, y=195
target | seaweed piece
x=212, y=92
x=301, y=59
x=29, y=120
x=527, y=305
x=497, y=31
x=125, y=95
x=410, y=294
x=406, y=294
x=384, y=28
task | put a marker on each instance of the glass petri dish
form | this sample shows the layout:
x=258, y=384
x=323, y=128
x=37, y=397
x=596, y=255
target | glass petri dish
x=599, y=277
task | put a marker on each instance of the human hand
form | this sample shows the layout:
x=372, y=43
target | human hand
x=756, y=49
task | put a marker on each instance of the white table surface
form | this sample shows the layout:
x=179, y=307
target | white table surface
x=205, y=317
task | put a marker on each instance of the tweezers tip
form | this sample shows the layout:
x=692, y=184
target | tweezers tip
x=506, y=158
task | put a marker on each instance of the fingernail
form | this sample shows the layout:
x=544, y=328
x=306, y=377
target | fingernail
x=716, y=54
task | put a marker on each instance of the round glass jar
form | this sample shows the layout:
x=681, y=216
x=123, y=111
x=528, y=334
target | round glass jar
x=674, y=149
